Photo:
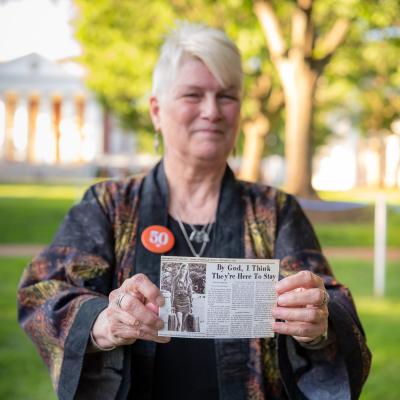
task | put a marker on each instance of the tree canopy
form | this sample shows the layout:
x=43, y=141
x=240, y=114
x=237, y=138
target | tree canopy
x=362, y=83
x=121, y=41
x=354, y=44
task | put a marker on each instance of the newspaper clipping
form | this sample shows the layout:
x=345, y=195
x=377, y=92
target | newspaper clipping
x=217, y=298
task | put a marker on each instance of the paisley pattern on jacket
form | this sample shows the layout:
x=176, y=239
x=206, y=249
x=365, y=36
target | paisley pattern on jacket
x=72, y=271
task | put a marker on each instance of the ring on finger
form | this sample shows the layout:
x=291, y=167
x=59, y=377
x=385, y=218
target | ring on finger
x=137, y=324
x=119, y=300
x=325, y=300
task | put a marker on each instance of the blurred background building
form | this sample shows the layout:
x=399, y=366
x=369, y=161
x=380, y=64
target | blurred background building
x=51, y=125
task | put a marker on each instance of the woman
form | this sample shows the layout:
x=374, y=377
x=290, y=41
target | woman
x=181, y=296
x=90, y=300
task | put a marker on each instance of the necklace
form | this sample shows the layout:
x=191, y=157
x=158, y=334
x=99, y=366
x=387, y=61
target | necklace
x=199, y=236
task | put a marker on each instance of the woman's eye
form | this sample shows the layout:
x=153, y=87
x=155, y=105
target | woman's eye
x=228, y=97
x=192, y=95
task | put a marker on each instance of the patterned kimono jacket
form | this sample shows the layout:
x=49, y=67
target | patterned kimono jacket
x=98, y=246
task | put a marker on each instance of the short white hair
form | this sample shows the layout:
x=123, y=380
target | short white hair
x=212, y=46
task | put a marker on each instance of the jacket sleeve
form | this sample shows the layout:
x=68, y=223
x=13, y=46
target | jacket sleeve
x=64, y=289
x=339, y=370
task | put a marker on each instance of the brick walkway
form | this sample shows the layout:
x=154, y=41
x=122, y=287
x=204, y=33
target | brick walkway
x=360, y=253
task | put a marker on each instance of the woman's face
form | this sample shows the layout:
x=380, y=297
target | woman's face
x=197, y=117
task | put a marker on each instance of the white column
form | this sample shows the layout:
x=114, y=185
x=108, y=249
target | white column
x=80, y=105
x=69, y=133
x=21, y=127
x=44, y=145
x=93, y=131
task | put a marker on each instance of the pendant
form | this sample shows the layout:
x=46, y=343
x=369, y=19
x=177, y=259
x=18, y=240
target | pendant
x=199, y=237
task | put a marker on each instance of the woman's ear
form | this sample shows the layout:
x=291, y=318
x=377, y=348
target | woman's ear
x=155, y=113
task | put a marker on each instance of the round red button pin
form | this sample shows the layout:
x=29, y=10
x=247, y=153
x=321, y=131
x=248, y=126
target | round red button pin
x=157, y=239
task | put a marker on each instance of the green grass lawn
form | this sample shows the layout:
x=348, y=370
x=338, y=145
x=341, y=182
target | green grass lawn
x=31, y=220
x=31, y=214
x=23, y=375
x=381, y=320
x=43, y=191
x=362, y=195
x=358, y=233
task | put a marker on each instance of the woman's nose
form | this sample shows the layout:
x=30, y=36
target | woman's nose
x=210, y=108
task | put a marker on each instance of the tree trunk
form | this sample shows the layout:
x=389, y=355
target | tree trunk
x=299, y=71
x=299, y=87
x=254, y=138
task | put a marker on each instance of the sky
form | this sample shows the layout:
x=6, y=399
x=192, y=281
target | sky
x=40, y=26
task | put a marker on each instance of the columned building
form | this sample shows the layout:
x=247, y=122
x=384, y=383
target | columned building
x=47, y=116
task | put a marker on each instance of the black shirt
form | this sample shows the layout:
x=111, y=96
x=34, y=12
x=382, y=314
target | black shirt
x=186, y=368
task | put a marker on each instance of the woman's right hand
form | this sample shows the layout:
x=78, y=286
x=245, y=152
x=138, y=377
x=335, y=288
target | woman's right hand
x=132, y=314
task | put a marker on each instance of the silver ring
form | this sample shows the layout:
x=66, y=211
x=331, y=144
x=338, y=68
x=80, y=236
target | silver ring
x=119, y=300
x=325, y=301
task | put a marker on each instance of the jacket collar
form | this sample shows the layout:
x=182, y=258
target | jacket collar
x=153, y=210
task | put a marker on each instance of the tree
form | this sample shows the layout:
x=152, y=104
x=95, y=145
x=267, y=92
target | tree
x=362, y=82
x=120, y=45
x=299, y=66
x=310, y=43
x=267, y=100
x=302, y=49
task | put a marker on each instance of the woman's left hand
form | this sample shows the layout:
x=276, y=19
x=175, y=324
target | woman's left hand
x=302, y=305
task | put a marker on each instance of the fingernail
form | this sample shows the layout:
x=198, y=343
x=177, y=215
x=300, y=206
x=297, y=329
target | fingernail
x=160, y=300
x=283, y=298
